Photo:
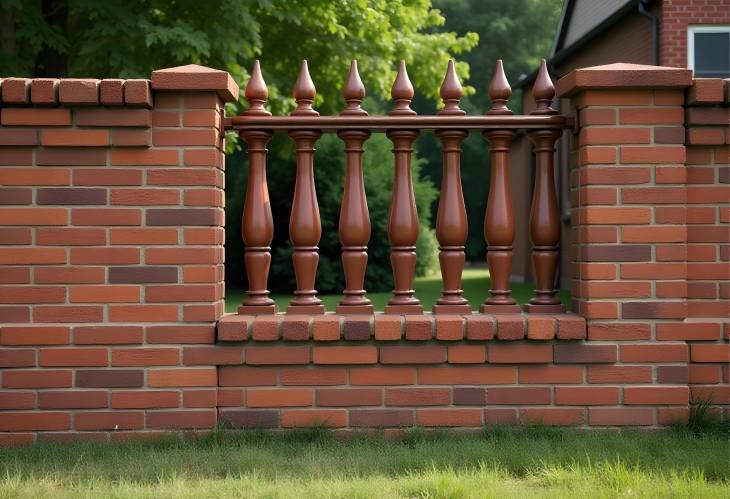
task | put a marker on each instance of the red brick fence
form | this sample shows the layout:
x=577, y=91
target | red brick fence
x=111, y=277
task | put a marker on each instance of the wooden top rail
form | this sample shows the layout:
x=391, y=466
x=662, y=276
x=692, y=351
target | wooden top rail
x=384, y=123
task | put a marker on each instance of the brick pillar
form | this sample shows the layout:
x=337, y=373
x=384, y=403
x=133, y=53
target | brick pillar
x=629, y=195
x=111, y=254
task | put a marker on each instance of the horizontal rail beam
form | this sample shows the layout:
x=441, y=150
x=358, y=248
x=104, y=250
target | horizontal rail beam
x=383, y=123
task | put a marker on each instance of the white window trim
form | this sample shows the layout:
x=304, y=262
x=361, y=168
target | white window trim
x=701, y=28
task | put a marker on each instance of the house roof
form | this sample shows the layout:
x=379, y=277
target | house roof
x=580, y=22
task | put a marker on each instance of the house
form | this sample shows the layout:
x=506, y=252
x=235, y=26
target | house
x=679, y=33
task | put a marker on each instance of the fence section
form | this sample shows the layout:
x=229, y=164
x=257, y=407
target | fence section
x=402, y=126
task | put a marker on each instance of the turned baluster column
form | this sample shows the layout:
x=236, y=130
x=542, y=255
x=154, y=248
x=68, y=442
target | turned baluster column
x=402, y=216
x=499, y=222
x=354, y=228
x=305, y=227
x=257, y=224
x=451, y=222
x=544, y=216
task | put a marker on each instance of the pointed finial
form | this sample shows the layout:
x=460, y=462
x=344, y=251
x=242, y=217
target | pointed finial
x=499, y=91
x=353, y=92
x=304, y=93
x=451, y=92
x=543, y=91
x=256, y=92
x=402, y=92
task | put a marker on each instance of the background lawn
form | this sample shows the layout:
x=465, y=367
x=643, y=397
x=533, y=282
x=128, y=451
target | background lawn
x=529, y=462
x=475, y=282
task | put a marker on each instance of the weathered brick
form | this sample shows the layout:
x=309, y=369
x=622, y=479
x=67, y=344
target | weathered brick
x=382, y=376
x=300, y=418
x=586, y=395
x=420, y=354
x=578, y=353
x=467, y=375
x=356, y=328
x=279, y=397
x=109, y=378
x=73, y=399
x=246, y=376
x=520, y=395
x=470, y=396
x=262, y=355
x=519, y=353
x=552, y=416
x=348, y=397
x=243, y=418
x=375, y=418
x=656, y=395
x=450, y=417
x=316, y=376
x=345, y=355
x=147, y=399
x=182, y=377
x=466, y=354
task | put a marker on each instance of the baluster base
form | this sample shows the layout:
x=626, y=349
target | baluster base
x=404, y=309
x=452, y=309
x=355, y=309
x=305, y=309
x=258, y=309
x=539, y=308
x=499, y=309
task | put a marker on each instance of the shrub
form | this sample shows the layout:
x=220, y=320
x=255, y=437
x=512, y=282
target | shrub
x=329, y=177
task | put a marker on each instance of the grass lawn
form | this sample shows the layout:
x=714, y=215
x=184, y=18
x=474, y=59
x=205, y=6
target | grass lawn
x=475, y=283
x=529, y=462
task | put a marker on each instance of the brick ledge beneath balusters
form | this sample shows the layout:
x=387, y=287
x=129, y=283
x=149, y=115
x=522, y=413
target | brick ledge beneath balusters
x=385, y=327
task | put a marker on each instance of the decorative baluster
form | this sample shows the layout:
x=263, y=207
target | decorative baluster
x=402, y=216
x=305, y=227
x=544, y=216
x=257, y=224
x=354, y=226
x=354, y=93
x=451, y=222
x=499, y=222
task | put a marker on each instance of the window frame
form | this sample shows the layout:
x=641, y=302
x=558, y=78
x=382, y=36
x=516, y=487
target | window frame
x=701, y=28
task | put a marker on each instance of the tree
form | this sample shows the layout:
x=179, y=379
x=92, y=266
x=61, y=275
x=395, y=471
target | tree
x=130, y=38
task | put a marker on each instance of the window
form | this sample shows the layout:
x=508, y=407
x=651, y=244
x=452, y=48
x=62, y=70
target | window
x=708, y=51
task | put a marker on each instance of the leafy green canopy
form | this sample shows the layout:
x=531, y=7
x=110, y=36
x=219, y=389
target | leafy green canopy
x=130, y=38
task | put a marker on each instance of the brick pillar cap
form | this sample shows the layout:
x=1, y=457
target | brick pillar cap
x=197, y=78
x=622, y=75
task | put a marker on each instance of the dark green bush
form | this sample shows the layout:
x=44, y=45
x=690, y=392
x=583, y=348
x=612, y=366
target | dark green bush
x=329, y=177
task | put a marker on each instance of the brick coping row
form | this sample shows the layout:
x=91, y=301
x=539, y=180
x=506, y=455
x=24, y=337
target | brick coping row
x=386, y=327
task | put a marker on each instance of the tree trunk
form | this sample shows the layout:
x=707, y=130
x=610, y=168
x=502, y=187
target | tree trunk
x=7, y=21
x=49, y=61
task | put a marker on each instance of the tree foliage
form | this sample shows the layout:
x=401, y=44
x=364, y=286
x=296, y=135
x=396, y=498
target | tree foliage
x=130, y=38
x=329, y=180
x=519, y=32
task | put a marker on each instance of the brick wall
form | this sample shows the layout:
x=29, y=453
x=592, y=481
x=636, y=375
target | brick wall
x=111, y=256
x=677, y=15
x=111, y=278
x=708, y=235
x=648, y=228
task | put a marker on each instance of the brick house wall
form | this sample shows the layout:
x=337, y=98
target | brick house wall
x=677, y=15
x=111, y=271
